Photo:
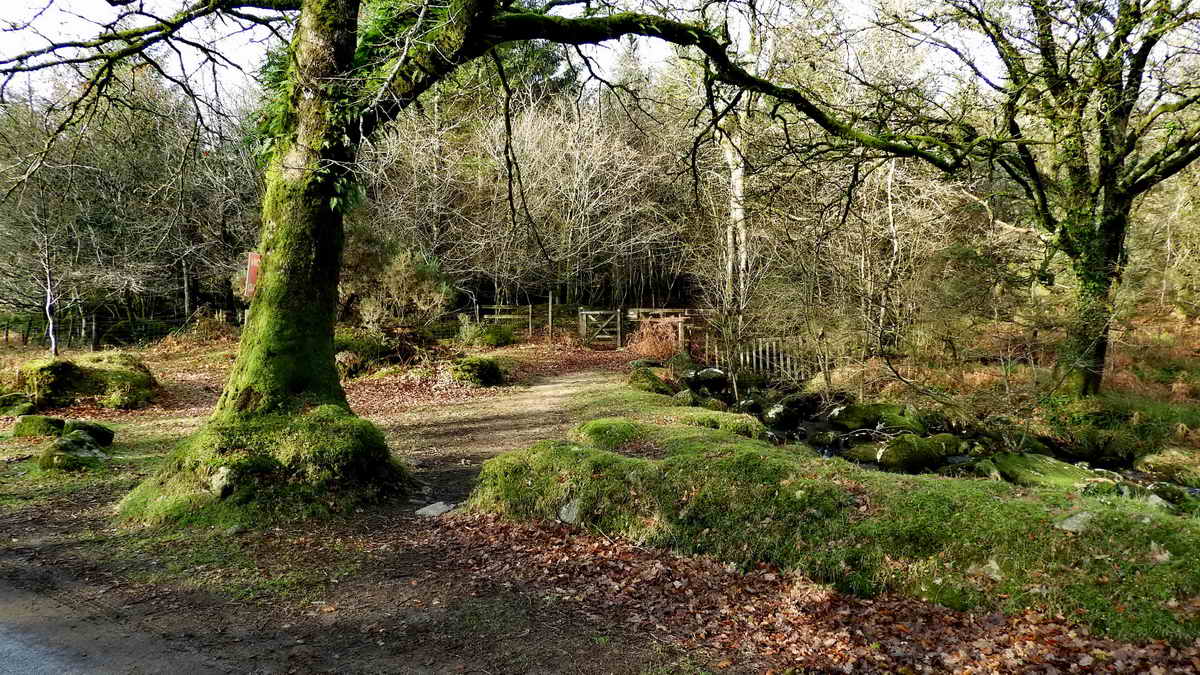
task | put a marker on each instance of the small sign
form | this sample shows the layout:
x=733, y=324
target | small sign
x=253, y=262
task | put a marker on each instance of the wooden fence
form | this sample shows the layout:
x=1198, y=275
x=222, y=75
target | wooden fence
x=775, y=357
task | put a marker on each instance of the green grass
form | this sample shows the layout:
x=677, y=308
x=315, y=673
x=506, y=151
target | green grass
x=860, y=530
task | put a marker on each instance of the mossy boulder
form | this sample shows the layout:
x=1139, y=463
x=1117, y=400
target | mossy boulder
x=716, y=404
x=687, y=397
x=644, y=379
x=680, y=364
x=610, y=433
x=101, y=434
x=479, y=371
x=790, y=410
x=908, y=452
x=883, y=416
x=15, y=405
x=38, y=425
x=112, y=379
x=1034, y=470
x=742, y=425
x=270, y=468
x=1177, y=465
x=706, y=379
x=74, y=451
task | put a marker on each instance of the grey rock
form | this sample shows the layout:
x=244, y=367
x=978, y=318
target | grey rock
x=1076, y=523
x=1158, y=502
x=221, y=483
x=235, y=530
x=569, y=512
x=435, y=509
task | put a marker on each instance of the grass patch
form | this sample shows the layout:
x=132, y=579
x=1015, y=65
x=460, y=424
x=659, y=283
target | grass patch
x=1127, y=575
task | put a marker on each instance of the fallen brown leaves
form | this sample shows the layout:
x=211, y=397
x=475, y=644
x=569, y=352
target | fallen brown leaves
x=767, y=619
x=542, y=360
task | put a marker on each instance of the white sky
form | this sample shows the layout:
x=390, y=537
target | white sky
x=59, y=20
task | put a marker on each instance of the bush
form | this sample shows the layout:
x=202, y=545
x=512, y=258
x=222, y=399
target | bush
x=480, y=371
x=481, y=334
x=655, y=339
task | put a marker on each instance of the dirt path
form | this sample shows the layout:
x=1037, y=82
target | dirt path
x=68, y=605
x=447, y=443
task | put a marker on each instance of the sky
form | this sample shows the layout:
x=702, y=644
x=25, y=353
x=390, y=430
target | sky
x=43, y=22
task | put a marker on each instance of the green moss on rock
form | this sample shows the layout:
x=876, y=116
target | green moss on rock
x=714, y=404
x=112, y=379
x=101, y=434
x=735, y=423
x=1177, y=465
x=266, y=468
x=1034, y=470
x=38, y=425
x=74, y=451
x=886, y=416
x=644, y=379
x=16, y=404
x=479, y=371
x=687, y=398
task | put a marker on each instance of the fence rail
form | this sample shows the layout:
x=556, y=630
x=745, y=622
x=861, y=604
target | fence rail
x=86, y=332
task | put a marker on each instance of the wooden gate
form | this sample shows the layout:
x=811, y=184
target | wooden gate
x=601, y=326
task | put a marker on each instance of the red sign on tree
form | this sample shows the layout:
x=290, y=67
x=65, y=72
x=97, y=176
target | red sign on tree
x=253, y=261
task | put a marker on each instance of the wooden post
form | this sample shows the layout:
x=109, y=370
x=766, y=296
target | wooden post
x=95, y=335
x=582, y=325
x=530, y=320
x=619, y=317
x=551, y=318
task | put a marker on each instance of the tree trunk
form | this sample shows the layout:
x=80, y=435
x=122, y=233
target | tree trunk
x=285, y=362
x=1097, y=262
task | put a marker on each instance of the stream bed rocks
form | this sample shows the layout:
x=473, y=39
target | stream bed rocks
x=901, y=438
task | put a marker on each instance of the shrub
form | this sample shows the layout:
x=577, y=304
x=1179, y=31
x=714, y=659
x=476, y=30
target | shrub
x=655, y=339
x=480, y=371
x=484, y=334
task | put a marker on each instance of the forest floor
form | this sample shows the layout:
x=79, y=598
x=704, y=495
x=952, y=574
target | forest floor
x=387, y=591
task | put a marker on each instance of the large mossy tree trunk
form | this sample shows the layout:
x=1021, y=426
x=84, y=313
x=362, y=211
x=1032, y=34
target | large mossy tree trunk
x=282, y=442
x=286, y=359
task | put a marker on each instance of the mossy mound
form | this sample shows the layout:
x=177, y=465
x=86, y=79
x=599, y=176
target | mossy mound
x=908, y=452
x=112, y=379
x=687, y=397
x=38, y=425
x=16, y=404
x=1034, y=470
x=74, y=451
x=866, y=532
x=101, y=434
x=680, y=364
x=1177, y=465
x=734, y=423
x=644, y=379
x=714, y=404
x=479, y=371
x=883, y=416
x=270, y=468
x=610, y=433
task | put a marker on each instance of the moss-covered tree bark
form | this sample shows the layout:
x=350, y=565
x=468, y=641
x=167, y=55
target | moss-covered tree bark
x=285, y=361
